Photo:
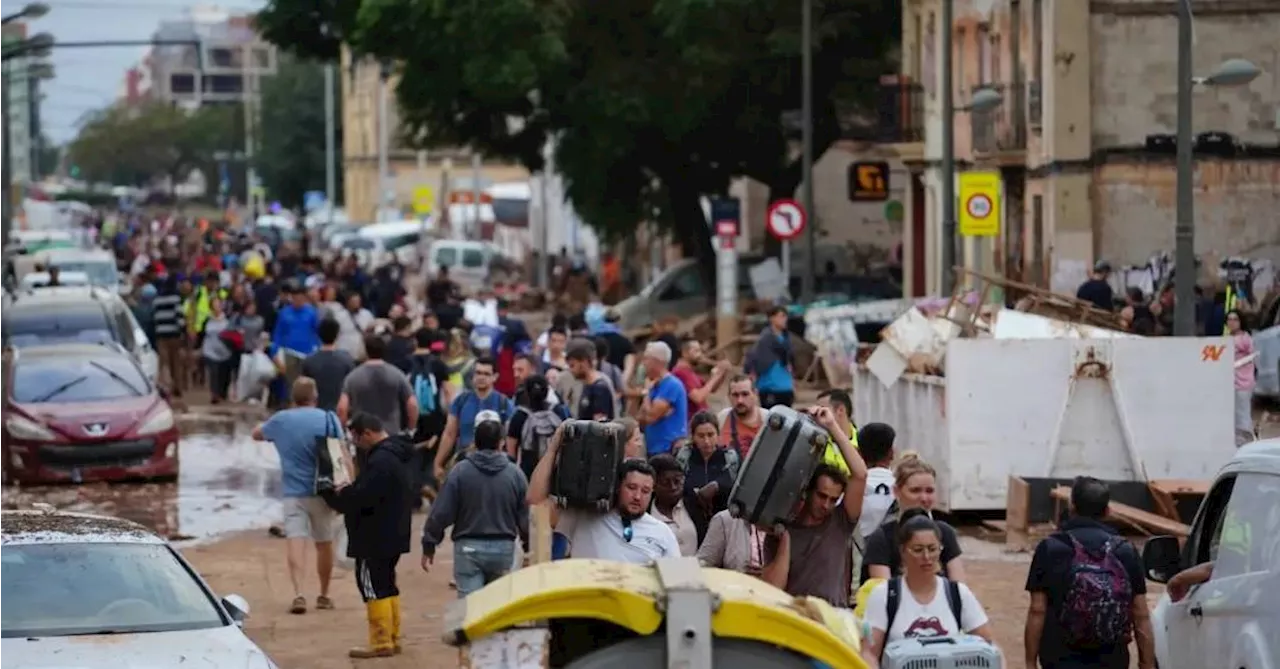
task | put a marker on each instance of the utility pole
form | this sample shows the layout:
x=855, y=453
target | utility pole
x=384, y=141
x=8, y=173
x=947, y=254
x=250, y=79
x=475, y=194
x=1184, y=234
x=330, y=169
x=806, y=159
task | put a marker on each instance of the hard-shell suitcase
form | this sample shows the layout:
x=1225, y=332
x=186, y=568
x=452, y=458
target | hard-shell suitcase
x=776, y=472
x=586, y=472
x=943, y=652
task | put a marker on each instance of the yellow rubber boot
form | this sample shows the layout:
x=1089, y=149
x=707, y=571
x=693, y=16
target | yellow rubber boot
x=381, y=641
x=395, y=624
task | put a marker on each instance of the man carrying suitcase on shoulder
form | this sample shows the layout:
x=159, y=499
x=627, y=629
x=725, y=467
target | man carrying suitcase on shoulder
x=800, y=559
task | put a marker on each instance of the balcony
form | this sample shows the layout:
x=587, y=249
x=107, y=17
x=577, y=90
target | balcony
x=1001, y=132
x=894, y=113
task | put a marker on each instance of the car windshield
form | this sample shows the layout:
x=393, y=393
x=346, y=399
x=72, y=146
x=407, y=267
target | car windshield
x=359, y=244
x=76, y=379
x=94, y=588
x=100, y=273
x=37, y=325
x=472, y=258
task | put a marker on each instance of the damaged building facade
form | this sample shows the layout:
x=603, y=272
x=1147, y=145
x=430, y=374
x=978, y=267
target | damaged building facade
x=1083, y=138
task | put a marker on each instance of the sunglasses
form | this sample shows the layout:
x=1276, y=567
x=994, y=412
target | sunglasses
x=628, y=533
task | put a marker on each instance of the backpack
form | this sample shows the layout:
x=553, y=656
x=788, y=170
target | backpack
x=1095, y=611
x=893, y=598
x=539, y=427
x=426, y=390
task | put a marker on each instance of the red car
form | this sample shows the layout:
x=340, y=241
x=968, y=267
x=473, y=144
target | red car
x=84, y=412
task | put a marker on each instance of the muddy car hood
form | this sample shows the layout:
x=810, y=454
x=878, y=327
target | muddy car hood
x=194, y=649
x=118, y=418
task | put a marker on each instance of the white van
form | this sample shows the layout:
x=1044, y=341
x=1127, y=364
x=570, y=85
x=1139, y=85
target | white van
x=1233, y=619
x=400, y=238
x=468, y=261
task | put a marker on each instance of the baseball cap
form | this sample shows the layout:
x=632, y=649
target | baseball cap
x=487, y=416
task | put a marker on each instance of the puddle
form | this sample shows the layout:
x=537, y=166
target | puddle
x=227, y=482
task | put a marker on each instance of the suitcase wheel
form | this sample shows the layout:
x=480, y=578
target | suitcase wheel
x=736, y=509
x=817, y=440
x=776, y=422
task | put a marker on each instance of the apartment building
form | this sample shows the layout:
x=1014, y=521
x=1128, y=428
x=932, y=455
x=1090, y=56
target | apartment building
x=1083, y=137
x=222, y=63
x=411, y=173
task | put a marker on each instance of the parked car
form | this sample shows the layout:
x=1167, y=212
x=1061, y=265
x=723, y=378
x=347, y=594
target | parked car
x=1229, y=620
x=99, y=264
x=468, y=261
x=91, y=591
x=76, y=314
x=84, y=412
x=38, y=280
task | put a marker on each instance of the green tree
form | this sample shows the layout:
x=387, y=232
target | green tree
x=655, y=103
x=290, y=157
x=134, y=144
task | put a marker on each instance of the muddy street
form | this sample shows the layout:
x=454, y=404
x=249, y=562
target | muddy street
x=227, y=482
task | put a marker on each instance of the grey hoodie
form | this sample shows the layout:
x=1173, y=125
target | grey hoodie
x=482, y=498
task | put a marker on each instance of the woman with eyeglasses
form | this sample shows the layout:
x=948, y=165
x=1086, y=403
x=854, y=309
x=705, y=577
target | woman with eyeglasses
x=919, y=604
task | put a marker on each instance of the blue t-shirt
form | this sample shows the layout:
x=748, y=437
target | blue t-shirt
x=776, y=379
x=659, y=436
x=294, y=433
x=468, y=404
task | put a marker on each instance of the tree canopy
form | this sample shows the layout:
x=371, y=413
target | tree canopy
x=290, y=154
x=131, y=144
x=654, y=103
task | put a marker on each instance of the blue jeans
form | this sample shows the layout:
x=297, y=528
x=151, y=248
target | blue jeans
x=479, y=562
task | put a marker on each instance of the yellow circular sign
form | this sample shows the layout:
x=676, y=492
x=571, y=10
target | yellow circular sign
x=424, y=200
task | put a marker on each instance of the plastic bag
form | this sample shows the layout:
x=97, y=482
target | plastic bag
x=340, y=548
x=256, y=372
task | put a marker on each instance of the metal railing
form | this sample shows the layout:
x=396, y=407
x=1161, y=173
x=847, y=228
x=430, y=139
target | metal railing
x=1005, y=127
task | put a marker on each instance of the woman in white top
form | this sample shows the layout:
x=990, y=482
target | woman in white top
x=928, y=605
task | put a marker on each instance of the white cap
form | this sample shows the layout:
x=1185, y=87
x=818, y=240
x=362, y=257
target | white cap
x=486, y=416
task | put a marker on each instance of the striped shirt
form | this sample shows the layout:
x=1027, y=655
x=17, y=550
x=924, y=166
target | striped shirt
x=168, y=316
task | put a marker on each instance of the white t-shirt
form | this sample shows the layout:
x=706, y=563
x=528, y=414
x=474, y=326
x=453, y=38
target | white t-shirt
x=599, y=536
x=877, y=501
x=916, y=620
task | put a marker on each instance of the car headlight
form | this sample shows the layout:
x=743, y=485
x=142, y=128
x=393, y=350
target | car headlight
x=25, y=428
x=159, y=421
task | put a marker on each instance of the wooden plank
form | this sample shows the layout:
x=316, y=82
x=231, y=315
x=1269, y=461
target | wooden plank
x=1163, y=501
x=540, y=533
x=1143, y=520
x=1017, y=509
x=1181, y=486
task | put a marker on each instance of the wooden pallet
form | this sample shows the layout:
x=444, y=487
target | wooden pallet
x=1165, y=493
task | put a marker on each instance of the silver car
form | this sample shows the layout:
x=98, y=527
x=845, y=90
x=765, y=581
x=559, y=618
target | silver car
x=91, y=591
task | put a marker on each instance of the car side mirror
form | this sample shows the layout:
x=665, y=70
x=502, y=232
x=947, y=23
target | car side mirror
x=1162, y=558
x=236, y=607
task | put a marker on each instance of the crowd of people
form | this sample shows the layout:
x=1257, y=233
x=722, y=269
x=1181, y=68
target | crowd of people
x=452, y=403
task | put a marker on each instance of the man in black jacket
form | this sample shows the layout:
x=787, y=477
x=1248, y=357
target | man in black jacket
x=376, y=511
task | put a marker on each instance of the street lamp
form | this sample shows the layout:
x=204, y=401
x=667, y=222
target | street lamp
x=32, y=11
x=36, y=46
x=983, y=100
x=1233, y=72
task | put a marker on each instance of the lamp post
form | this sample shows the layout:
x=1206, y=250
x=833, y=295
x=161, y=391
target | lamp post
x=984, y=99
x=37, y=45
x=1233, y=72
x=806, y=153
x=33, y=10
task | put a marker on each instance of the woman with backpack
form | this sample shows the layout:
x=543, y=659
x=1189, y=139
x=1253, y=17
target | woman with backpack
x=709, y=472
x=534, y=422
x=919, y=604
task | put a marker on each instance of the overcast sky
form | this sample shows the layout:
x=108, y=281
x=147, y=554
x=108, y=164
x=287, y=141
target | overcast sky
x=91, y=78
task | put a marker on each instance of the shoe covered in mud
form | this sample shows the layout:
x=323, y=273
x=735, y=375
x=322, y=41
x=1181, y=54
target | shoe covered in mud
x=299, y=605
x=324, y=603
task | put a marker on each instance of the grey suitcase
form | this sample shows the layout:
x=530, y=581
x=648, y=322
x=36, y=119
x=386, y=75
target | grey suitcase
x=775, y=475
x=943, y=652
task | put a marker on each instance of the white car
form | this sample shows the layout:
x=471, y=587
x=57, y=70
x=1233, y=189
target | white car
x=1233, y=619
x=90, y=591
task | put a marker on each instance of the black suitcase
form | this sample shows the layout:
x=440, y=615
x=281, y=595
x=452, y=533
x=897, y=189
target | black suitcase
x=775, y=475
x=586, y=472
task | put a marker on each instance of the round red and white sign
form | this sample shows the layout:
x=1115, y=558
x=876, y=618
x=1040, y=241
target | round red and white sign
x=786, y=220
x=978, y=205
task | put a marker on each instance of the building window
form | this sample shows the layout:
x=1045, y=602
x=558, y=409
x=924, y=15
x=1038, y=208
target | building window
x=917, y=33
x=984, y=55
x=1037, y=39
x=1037, y=240
x=930, y=65
x=960, y=86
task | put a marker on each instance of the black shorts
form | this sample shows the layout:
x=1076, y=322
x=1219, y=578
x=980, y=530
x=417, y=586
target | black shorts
x=376, y=578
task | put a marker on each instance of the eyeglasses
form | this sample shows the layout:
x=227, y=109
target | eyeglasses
x=628, y=533
x=924, y=551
